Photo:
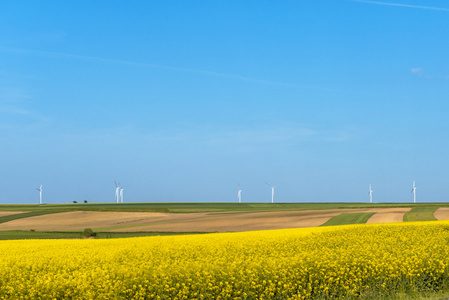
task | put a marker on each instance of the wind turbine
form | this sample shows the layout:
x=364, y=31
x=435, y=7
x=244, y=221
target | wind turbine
x=272, y=191
x=370, y=193
x=40, y=194
x=239, y=195
x=121, y=194
x=117, y=192
x=414, y=191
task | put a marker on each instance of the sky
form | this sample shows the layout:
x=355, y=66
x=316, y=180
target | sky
x=180, y=101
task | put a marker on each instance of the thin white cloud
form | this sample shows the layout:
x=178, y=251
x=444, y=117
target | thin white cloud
x=137, y=64
x=417, y=71
x=402, y=5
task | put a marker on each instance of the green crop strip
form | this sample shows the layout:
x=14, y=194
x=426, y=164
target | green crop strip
x=349, y=218
x=5, y=219
x=27, y=235
x=420, y=214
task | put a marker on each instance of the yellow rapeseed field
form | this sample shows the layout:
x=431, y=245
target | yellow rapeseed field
x=314, y=263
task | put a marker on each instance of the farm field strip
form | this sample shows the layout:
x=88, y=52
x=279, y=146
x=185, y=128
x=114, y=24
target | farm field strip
x=383, y=215
x=171, y=222
x=79, y=220
x=9, y=213
x=21, y=235
x=196, y=222
x=349, y=218
x=242, y=222
x=442, y=213
x=373, y=261
x=420, y=214
x=126, y=226
x=24, y=215
x=388, y=215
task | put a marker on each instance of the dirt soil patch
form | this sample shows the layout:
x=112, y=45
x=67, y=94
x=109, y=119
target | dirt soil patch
x=8, y=213
x=442, y=213
x=388, y=215
x=79, y=220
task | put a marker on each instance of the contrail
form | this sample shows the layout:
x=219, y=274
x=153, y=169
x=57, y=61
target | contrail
x=137, y=64
x=402, y=5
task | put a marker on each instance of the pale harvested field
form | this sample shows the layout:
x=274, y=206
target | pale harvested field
x=188, y=222
x=442, y=213
x=387, y=215
x=8, y=213
x=241, y=221
x=79, y=220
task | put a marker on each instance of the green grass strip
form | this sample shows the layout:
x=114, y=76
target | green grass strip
x=26, y=235
x=420, y=214
x=349, y=218
x=27, y=215
x=115, y=235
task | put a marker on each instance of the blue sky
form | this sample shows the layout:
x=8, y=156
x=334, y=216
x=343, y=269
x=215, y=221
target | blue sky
x=183, y=100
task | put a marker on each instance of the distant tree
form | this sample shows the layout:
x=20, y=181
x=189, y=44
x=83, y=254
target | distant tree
x=75, y=202
x=85, y=201
x=88, y=233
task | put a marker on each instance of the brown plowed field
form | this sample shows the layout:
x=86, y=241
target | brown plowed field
x=241, y=221
x=387, y=215
x=187, y=222
x=442, y=213
x=79, y=220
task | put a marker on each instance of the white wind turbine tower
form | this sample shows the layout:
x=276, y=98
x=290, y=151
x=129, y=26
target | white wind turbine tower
x=272, y=191
x=414, y=191
x=117, y=192
x=239, y=195
x=370, y=193
x=40, y=194
x=121, y=194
